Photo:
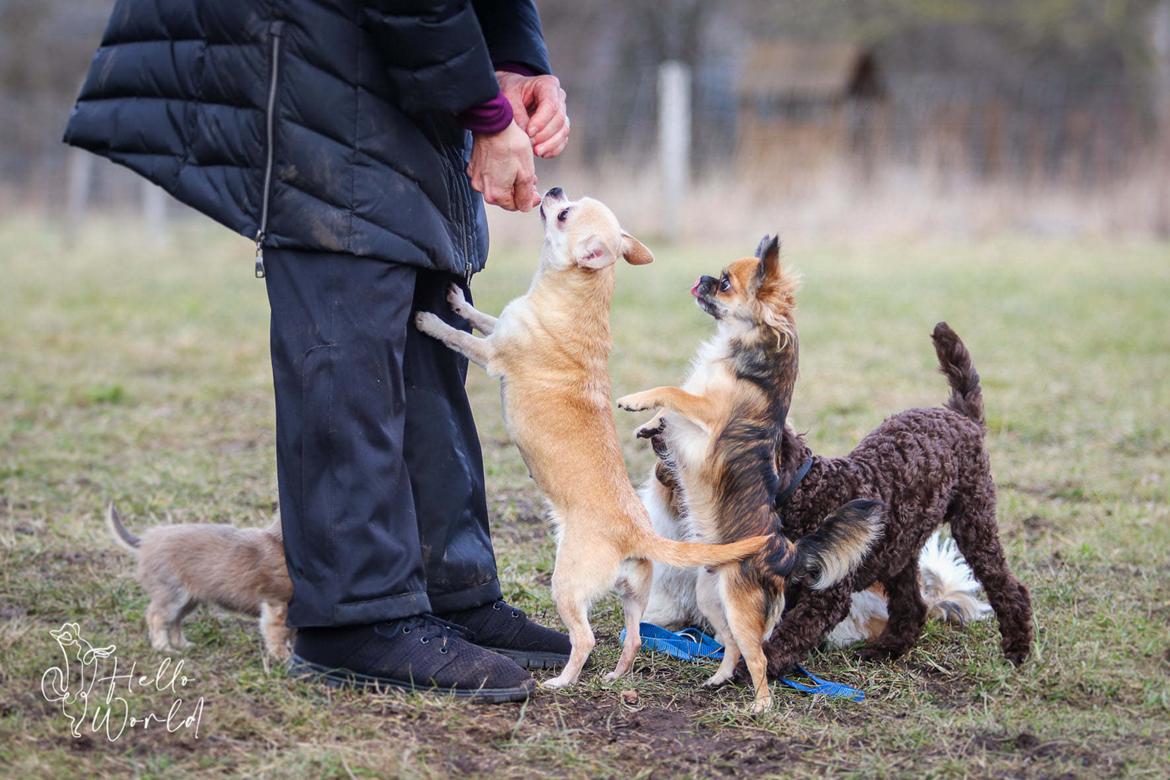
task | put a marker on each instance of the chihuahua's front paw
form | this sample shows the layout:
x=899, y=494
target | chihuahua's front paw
x=638, y=402
x=428, y=323
x=457, y=299
x=648, y=430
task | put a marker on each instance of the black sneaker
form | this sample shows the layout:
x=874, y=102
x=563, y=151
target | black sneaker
x=508, y=631
x=419, y=653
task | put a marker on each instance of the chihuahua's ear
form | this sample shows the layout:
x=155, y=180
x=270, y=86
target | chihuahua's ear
x=592, y=253
x=769, y=254
x=765, y=242
x=634, y=251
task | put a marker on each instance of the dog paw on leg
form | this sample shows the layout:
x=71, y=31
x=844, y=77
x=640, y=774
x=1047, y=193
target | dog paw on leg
x=457, y=300
x=717, y=679
x=429, y=323
x=880, y=652
x=636, y=402
x=556, y=683
x=648, y=430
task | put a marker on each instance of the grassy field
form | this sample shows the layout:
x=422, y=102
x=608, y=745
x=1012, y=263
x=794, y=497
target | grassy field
x=140, y=374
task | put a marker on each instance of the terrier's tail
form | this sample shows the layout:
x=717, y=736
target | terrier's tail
x=948, y=586
x=955, y=361
x=119, y=532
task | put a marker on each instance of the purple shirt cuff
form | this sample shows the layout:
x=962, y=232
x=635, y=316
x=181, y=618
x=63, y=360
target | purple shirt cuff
x=493, y=115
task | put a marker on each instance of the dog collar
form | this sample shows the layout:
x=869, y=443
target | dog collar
x=801, y=473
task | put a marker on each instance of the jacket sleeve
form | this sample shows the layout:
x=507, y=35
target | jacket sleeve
x=435, y=53
x=513, y=34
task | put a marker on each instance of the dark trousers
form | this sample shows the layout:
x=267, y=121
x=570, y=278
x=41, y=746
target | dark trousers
x=378, y=461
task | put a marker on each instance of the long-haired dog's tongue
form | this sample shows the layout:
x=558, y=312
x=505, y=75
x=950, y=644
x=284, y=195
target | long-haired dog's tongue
x=695, y=289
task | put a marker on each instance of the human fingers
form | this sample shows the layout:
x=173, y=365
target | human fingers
x=546, y=94
x=498, y=194
x=551, y=128
x=525, y=194
x=550, y=144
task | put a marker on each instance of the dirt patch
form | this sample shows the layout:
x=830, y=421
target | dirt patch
x=1047, y=751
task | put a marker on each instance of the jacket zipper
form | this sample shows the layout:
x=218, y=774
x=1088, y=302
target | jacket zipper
x=274, y=32
x=468, y=216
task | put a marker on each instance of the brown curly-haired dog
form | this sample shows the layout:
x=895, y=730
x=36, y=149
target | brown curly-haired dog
x=929, y=467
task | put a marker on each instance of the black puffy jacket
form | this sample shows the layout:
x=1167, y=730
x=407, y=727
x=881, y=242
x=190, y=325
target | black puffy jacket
x=309, y=124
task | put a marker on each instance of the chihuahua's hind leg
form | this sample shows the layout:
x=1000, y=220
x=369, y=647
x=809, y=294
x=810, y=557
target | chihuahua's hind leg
x=582, y=573
x=477, y=350
x=743, y=603
x=175, y=629
x=484, y=323
x=635, y=590
x=574, y=611
x=709, y=603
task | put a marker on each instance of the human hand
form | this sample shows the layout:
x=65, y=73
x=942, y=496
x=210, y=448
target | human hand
x=538, y=107
x=502, y=168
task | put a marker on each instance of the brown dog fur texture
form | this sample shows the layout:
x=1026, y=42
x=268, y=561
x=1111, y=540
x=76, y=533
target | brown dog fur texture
x=929, y=466
x=550, y=349
x=182, y=566
x=721, y=431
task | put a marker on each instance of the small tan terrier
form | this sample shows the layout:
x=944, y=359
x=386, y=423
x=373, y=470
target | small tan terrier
x=182, y=566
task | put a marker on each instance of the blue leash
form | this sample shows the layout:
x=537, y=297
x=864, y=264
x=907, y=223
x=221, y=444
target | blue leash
x=693, y=645
x=825, y=687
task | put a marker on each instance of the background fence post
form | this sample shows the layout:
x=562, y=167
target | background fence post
x=1160, y=43
x=154, y=212
x=674, y=142
x=80, y=176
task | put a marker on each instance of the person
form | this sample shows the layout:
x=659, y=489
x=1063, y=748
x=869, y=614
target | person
x=356, y=142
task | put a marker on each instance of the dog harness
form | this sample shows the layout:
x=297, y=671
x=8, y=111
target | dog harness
x=801, y=473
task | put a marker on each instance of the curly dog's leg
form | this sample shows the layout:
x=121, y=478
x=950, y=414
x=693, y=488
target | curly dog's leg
x=972, y=518
x=907, y=616
x=802, y=627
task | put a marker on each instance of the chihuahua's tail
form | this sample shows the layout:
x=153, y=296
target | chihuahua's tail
x=687, y=554
x=955, y=361
x=119, y=532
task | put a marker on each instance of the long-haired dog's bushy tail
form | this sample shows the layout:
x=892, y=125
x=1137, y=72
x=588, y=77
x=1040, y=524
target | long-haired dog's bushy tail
x=833, y=551
x=949, y=588
x=955, y=361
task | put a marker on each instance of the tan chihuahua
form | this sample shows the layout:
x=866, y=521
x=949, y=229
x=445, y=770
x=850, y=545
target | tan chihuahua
x=182, y=566
x=550, y=349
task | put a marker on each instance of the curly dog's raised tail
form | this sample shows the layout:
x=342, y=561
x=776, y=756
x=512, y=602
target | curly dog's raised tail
x=955, y=361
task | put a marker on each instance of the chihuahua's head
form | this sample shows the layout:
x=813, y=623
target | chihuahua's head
x=752, y=292
x=585, y=234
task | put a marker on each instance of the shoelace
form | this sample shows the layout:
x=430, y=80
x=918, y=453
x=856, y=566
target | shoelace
x=500, y=605
x=428, y=628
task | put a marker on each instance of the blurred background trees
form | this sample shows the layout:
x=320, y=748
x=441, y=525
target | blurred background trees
x=824, y=109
